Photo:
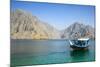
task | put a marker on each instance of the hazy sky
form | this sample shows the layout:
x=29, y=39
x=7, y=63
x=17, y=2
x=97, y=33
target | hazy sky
x=58, y=15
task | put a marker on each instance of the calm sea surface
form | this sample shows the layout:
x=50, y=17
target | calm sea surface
x=36, y=52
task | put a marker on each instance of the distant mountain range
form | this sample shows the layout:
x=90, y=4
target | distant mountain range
x=26, y=26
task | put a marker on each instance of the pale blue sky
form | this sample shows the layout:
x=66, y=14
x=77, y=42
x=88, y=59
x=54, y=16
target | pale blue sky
x=58, y=15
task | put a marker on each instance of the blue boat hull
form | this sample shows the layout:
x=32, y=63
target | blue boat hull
x=79, y=44
x=78, y=48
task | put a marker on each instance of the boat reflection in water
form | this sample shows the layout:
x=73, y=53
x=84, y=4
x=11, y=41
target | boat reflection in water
x=81, y=55
x=79, y=44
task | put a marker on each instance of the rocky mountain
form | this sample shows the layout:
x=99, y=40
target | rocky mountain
x=78, y=30
x=26, y=26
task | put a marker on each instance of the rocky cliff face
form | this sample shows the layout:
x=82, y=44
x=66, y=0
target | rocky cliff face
x=78, y=30
x=26, y=26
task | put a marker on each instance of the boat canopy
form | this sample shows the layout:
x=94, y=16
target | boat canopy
x=83, y=39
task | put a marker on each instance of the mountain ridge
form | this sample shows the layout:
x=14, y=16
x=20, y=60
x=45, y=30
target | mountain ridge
x=24, y=25
x=78, y=30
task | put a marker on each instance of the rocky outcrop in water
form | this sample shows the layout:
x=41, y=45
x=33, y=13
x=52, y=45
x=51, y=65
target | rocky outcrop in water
x=26, y=26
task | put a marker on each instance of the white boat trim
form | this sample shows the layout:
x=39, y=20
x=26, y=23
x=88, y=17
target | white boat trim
x=71, y=43
x=83, y=39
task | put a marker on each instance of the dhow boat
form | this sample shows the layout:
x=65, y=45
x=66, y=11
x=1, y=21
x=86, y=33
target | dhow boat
x=81, y=43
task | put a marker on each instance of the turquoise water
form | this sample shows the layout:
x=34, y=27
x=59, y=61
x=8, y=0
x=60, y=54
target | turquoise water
x=36, y=52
